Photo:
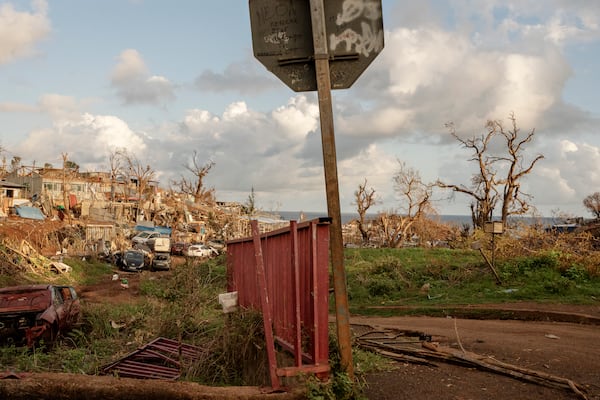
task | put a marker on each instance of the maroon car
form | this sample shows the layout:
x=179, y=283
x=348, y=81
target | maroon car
x=33, y=312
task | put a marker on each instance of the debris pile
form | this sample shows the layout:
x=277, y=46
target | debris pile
x=417, y=347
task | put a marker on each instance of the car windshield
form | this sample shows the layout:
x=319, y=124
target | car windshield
x=162, y=256
x=134, y=256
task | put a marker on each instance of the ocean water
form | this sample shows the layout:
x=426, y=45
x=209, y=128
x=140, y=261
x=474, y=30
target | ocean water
x=459, y=220
x=347, y=217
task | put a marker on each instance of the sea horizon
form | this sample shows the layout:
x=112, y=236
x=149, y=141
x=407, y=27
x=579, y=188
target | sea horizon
x=447, y=218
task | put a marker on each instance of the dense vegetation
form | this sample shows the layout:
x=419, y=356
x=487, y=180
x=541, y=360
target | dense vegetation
x=419, y=276
x=532, y=266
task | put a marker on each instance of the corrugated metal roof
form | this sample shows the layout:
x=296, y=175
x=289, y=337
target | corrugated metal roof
x=10, y=185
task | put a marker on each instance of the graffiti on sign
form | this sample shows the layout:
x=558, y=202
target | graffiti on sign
x=370, y=39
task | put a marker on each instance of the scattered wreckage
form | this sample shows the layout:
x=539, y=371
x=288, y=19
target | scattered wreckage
x=31, y=313
x=162, y=358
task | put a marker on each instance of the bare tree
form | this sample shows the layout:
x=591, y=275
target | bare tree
x=487, y=188
x=115, y=165
x=195, y=186
x=3, y=169
x=249, y=206
x=67, y=174
x=364, y=199
x=415, y=198
x=592, y=203
x=15, y=164
x=143, y=175
x=415, y=204
x=483, y=183
x=390, y=226
x=514, y=200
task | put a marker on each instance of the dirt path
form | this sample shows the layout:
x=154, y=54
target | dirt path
x=567, y=350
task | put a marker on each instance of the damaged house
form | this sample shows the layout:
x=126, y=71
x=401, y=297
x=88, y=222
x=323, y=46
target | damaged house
x=9, y=191
x=106, y=208
x=85, y=194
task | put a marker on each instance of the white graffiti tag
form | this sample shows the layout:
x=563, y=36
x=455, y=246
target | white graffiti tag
x=370, y=39
x=277, y=38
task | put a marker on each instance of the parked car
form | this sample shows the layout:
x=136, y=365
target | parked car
x=133, y=260
x=177, y=248
x=31, y=313
x=200, y=250
x=161, y=261
x=143, y=237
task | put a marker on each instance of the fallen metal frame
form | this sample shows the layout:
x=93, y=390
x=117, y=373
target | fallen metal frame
x=161, y=358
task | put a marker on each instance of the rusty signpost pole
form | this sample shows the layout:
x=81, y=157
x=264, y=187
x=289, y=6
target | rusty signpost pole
x=321, y=45
x=331, y=184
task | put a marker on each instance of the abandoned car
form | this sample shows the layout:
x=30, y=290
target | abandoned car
x=178, y=248
x=132, y=260
x=200, y=250
x=161, y=261
x=31, y=313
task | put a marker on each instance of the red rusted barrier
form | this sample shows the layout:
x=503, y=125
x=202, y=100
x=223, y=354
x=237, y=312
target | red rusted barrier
x=285, y=274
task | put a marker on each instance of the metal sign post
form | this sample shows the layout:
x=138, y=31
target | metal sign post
x=331, y=185
x=321, y=45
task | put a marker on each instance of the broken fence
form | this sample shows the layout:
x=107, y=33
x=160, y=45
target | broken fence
x=284, y=274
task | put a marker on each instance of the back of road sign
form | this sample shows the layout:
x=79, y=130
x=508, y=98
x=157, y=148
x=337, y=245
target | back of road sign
x=283, y=41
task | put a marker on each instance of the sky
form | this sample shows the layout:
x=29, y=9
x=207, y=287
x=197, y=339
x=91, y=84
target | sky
x=165, y=80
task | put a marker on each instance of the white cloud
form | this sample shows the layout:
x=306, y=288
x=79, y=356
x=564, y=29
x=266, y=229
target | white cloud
x=12, y=107
x=88, y=140
x=428, y=76
x=250, y=149
x=568, y=173
x=22, y=31
x=297, y=118
x=131, y=79
x=59, y=107
x=374, y=164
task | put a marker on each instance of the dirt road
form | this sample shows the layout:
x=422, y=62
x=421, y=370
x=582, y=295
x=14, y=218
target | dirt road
x=567, y=350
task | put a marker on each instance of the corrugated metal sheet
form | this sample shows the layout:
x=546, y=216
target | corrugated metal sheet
x=29, y=212
x=165, y=230
x=160, y=359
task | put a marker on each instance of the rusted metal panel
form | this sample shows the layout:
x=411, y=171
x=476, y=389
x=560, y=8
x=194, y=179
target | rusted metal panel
x=160, y=359
x=296, y=264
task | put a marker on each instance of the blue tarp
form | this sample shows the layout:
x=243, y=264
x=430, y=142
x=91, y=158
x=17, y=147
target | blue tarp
x=29, y=212
x=162, y=229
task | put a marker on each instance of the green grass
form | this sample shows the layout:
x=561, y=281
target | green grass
x=395, y=277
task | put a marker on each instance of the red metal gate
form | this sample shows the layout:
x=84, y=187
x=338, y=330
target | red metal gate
x=285, y=274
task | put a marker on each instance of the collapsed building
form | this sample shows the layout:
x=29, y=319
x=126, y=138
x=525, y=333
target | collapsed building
x=82, y=213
